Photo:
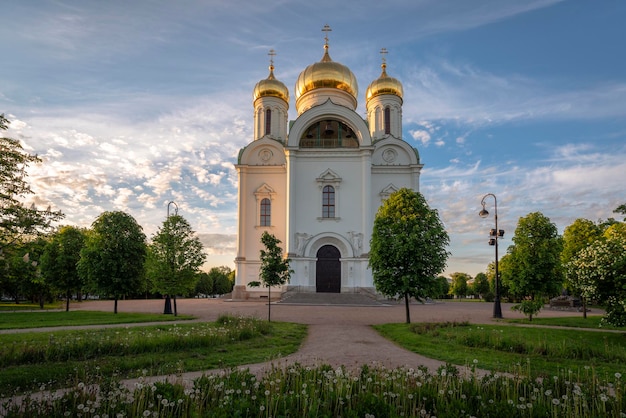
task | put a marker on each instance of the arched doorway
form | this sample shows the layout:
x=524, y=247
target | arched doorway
x=328, y=270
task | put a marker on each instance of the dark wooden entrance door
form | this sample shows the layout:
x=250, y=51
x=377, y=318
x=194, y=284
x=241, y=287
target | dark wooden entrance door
x=328, y=270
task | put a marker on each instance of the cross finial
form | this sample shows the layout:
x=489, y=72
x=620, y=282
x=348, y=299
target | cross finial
x=326, y=29
x=384, y=52
x=272, y=54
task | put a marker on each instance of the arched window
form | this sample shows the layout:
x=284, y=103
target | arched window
x=268, y=121
x=387, y=120
x=266, y=212
x=329, y=134
x=328, y=202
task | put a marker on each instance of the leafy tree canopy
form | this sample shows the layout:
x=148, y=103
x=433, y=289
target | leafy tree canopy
x=114, y=254
x=60, y=260
x=408, y=247
x=176, y=257
x=459, y=284
x=535, y=268
x=18, y=221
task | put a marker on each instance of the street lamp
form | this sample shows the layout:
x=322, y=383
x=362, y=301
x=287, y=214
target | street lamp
x=494, y=234
x=168, y=301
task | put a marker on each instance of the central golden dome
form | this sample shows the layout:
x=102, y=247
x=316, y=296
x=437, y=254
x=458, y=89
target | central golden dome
x=326, y=73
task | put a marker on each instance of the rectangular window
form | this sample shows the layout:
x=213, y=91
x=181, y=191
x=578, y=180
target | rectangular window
x=328, y=202
x=266, y=212
x=268, y=121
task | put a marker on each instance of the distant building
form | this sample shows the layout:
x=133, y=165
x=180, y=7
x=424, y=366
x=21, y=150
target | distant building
x=317, y=182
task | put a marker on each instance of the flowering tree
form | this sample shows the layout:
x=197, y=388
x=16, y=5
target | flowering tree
x=599, y=272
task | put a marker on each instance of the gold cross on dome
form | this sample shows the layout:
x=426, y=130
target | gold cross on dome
x=384, y=52
x=272, y=54
x=326, y=29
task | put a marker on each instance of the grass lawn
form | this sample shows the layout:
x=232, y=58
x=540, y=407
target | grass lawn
x=64, y=358
x=40, y=319
x=592, y=321
x=533, y=351
x=11, y=306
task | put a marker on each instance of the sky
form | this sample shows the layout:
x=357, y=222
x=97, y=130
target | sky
x=132, y=105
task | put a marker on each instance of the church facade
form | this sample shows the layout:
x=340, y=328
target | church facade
x=316, y=182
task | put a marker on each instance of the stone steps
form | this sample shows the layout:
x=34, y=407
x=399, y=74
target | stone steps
x=352, y=299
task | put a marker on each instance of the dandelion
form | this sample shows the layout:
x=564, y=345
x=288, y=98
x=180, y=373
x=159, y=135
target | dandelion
x=146, y=413
x=555, y=401
x=618, y=375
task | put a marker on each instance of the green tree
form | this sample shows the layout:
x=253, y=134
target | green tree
x=535, y=267
x=20, y=278
x=34, y=285
x=442, y=288
x=481, y=286
x=113, y=256
x=576, y=237
x=275, y=270
x=408, y=247
x=60, y=260
x=17, y=221
x=176, y=255
x=204, y=285
x=222, y=282
x=459, y=286
x=621, y=209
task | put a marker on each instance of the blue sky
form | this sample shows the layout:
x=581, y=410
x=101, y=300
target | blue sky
x=135, y=104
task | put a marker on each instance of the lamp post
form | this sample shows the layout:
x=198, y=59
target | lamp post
x=168, y=301
x=494, y=234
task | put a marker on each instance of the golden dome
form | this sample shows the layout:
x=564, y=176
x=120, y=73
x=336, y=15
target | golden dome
x=384, y=85
x=326, y=73
x=270, y=87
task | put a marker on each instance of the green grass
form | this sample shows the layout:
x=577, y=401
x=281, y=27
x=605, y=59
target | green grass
x=24, y=320
x=10, y=306
x=64, y=358
x=532, y=351
x=592, y=321
x=21, y=320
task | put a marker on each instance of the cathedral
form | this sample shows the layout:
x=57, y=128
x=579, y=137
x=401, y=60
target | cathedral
x=316, y=182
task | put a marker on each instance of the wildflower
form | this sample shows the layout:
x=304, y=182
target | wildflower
x=146, y=413
x=555, y=401
x=618, y=375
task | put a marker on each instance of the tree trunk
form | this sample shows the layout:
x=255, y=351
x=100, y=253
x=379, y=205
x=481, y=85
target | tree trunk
x=41, y=300
x=115, y=306
x=584, y=307
x=67, y=301
x=406, y=305
x=175, y=308
x=167, y=310
x=269, y=304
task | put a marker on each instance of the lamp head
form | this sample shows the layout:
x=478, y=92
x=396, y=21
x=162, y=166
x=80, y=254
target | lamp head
x=483, y=213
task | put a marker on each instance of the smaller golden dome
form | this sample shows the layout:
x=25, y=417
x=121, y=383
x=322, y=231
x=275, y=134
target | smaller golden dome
x=384, y=85
x=271, y=87
x=326, y=73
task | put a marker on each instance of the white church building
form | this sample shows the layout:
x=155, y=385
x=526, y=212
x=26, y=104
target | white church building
x=316, y=182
